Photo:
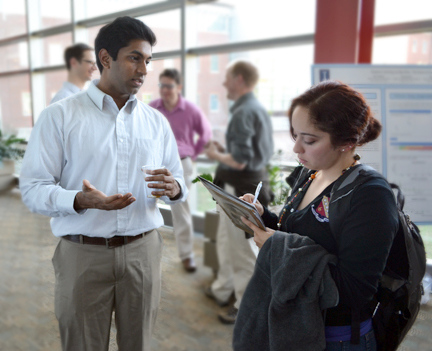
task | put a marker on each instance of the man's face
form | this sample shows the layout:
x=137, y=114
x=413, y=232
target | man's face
x=230, y=85
x=169, y=90
x=87, y=66
x=126, y=74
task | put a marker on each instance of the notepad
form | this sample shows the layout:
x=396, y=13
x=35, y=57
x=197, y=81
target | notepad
x=234, y=207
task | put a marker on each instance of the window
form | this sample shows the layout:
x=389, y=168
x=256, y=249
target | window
x=14, y=57
x=214, y=103
x=91, y=8
x=55, y=54
x=53, y=82
x=16, y=104
x=48, y=51
x=166, y=26
x=390, y=11
x=48, y=13
x=169, y=63
x=425, y=47
x=230, y=21
x=26, y=103
x=400, y=49
x=214, y=64
x=146, y=98
x=13, y=19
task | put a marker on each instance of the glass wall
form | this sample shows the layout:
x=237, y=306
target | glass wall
x=47, y=13
x=166, y=26
x=390, y=11
x=14, y=57
x=230, y=21
x=85, y=9
x=215, y=33
x=15, y=104
x=48, y=51
x=13, y=20
x=403, y=49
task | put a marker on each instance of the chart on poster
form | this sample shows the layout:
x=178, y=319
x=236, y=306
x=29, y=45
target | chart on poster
x=401, y=99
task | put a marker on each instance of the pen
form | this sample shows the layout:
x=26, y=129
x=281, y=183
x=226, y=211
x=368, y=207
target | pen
x=257, y=191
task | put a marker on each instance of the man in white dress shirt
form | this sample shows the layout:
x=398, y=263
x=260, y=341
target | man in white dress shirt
x=80, y=63
x=109, y=253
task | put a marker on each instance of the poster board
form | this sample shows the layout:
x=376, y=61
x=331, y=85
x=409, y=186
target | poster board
x=400, y=97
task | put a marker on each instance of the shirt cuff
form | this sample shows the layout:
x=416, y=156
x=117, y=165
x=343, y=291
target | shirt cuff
x=183, y=191
x=65, y=202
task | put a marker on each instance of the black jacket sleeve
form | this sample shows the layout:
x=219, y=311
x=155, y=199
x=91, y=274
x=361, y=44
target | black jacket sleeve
x=270, y=219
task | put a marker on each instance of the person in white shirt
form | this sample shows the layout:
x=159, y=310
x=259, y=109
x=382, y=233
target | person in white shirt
x=109, y=253
x=80, y=63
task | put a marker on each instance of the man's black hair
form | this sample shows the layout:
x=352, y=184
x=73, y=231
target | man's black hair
x=75, y=51
x=118, y=34
x=171, y=73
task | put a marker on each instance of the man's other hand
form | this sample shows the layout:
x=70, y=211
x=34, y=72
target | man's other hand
x=90, y=197
x=166, y=186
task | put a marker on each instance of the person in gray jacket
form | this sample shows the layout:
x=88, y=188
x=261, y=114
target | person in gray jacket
x=249, y=147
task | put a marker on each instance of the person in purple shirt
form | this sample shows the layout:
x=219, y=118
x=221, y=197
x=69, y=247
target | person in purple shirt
x=186, y=121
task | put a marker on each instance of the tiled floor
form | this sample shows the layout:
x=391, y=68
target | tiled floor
x=187, y=319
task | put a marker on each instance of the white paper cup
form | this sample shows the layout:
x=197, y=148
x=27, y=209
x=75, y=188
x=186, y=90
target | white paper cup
x=146, y=173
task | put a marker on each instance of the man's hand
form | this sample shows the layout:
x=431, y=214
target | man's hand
x=167, y=185
x=219, y=147
x=90, y=197
x=211, y=150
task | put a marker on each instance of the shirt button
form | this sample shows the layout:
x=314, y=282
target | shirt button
x=121, y=140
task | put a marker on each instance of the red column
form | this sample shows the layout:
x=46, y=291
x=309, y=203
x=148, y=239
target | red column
x=366, y=32
x=336, y=32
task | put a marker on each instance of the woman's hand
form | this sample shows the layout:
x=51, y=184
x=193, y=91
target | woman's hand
x=249, y=198
x=260, y=236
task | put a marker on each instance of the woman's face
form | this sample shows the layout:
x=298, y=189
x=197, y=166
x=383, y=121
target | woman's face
x=312, y=146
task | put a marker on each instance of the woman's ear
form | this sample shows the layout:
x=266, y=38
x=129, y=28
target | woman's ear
x=346, y=148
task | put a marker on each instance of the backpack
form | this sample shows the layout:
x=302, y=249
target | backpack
x=400, y=288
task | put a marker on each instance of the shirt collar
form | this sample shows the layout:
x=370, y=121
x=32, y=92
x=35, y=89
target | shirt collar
x=72, y=87
x=98, y=96
x=241, y=100
x=181, y=104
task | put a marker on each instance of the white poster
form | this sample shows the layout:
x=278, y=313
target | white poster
x=401, y=99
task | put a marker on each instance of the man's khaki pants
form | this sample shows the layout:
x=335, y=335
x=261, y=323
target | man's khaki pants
x=182, y=218
x=92, y=281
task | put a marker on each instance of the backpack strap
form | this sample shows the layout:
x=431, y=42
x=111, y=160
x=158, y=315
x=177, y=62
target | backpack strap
x=340, y=196
x=340, y=199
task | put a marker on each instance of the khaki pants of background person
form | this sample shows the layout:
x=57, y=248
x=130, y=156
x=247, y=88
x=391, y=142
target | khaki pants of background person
x=236, y=255
x=182, y=219
x=92, y=281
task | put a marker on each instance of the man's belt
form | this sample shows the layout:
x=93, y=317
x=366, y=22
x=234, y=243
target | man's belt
x=110, y=243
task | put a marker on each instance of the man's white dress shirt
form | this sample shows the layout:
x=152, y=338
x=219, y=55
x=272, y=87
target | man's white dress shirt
x=67, y=90
x=87, y=137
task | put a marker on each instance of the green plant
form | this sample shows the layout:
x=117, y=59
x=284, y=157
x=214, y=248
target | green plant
x=206, y=176
x=8, y=149
x=278, y=185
